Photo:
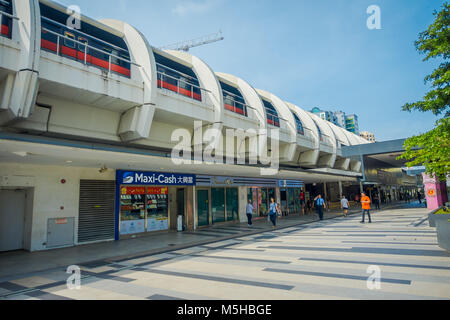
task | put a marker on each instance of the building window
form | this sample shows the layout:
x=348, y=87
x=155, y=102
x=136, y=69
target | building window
x=299, y=124
x=272, y=114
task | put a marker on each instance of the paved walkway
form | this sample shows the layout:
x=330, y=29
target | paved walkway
x=14, y=264
x=320, y=260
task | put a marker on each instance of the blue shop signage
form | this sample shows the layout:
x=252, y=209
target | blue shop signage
x=154, y=178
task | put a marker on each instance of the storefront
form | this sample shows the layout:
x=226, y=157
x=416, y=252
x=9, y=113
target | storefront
x=292, y=194
x=143, y=201
x=224, y=199
x=260, y=198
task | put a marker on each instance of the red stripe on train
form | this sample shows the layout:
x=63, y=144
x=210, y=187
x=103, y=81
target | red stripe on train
x=79, y=55
x=5, y=30
x=182, y=91
x=235, y=110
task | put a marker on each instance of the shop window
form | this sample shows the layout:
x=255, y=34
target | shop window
x=143, y=209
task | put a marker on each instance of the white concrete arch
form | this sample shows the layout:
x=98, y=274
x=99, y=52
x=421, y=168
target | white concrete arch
x=328, y=147
x=307, y=158
x=22, y=60
x=207, y=80
x=341, y=138
x=136, y=123
x=212, y=97
x=251, y=97
x=352, y=138
x=288, y=128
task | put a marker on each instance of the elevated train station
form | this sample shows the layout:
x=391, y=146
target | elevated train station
x=83, y=112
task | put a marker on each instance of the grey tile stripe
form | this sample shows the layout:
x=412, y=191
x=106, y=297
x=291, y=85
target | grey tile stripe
x=162, y=297
x=218, y=231
x=243, y=249
x=240, y=259
x=107, y=276
x=12, y=286
x=378, y=263
x=386, y=242
x=218, y=279
x=336, y=275
x=406, y=252
x=46, y=296
x=203, y=234
x=386, y=231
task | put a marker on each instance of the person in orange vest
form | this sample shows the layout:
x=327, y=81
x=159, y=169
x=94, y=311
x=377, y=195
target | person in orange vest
x=365, y=202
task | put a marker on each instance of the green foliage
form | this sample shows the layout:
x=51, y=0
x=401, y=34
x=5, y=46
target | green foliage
x=432, y=149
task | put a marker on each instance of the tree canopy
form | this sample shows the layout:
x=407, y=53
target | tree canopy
x=432, y=149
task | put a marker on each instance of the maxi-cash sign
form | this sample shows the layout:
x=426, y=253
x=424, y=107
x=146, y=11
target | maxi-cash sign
x=154, y=178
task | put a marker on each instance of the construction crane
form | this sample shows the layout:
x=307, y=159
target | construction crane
x=187, y=45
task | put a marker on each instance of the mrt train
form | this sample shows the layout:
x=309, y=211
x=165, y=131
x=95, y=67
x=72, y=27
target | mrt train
x=104, y=49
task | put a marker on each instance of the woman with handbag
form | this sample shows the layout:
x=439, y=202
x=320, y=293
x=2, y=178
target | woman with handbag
x=273, y=212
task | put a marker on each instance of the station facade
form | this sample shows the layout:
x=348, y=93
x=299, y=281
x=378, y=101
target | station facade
x=87, y=123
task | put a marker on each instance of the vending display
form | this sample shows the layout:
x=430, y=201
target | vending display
x=157, y=209
x=132, y=210
x=143, y=209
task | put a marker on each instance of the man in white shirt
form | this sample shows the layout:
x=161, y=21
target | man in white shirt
x=249, y=212
x=345, y=205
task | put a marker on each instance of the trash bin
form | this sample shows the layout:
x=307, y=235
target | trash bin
x=180, y=223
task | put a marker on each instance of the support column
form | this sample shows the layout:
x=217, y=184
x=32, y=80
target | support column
x=341, y=192
x=190, y=209
x=325, y=196
x=242, y=204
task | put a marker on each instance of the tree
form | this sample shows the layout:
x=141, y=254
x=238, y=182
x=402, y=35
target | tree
x=432, y=149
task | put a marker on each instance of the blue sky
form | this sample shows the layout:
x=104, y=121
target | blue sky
x=311, y=53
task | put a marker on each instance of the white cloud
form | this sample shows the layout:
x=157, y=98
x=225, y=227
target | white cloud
x=194, y=7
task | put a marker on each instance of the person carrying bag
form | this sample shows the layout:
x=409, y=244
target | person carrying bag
x=273, y=212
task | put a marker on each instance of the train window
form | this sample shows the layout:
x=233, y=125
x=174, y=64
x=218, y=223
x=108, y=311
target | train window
x=82, y=46
x=67, y=42
x=109, y=52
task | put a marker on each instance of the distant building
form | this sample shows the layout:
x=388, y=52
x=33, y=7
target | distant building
x=352, y=124
x=369, y=136
x=339, y=118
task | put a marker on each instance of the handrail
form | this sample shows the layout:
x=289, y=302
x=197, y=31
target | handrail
x=85, y=34
x=85, y=48
x=176, y=71
x=3, y=13
x=233, y=94
x=179, y=80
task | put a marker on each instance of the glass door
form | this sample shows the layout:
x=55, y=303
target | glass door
x=232, y=204
x=203, y=207
x=218, y=204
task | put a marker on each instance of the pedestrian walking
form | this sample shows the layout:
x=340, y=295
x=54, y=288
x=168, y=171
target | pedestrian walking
x=273, y=212
x=249, y=211
x=319, y=203
x=419, y=197
x=345, y=206
x=365, y=202
x=376, y=202
x=308, y=206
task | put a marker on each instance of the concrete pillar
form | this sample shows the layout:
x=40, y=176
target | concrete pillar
x=341, y=191
x=325, y=195
x=173, y=214
x=191, y=222
x=361, y=186
x=242, y=204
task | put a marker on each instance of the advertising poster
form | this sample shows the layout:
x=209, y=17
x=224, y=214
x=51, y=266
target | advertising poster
x=157, y=224
x=132, y=226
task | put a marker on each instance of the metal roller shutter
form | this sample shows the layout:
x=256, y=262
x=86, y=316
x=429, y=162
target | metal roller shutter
x=96, y=218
